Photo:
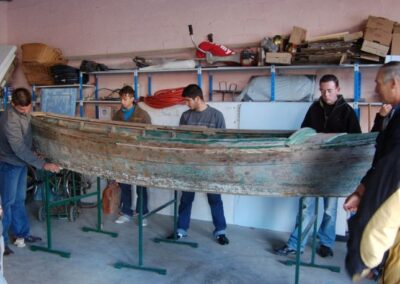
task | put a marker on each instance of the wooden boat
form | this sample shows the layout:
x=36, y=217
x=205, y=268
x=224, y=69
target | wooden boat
x=207, y=160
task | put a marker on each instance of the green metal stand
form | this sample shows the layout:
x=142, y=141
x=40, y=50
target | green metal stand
x=48, y=206
x=175, y=240
x=140, y=265
x=74, y=198
x=300, y=235
x=98, y=228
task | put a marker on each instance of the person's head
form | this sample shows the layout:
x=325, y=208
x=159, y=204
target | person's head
x=193, y=96
x=329, y=88
x=127, y=95
x=21, y=100
x=388, y=83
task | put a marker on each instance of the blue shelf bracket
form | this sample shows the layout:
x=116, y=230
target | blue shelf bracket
x=149, y=85
x=199, y=77
x=136, y=84
x=96, y=94
x=5, y=97
x=273, y=80
x=210, y=86
x=357, y=89
x=33, y=97
x=81, y=109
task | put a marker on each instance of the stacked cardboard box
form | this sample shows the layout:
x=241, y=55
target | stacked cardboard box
x=377, y=36
x=395, y=48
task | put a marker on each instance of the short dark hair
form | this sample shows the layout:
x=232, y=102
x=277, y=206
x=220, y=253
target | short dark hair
x=126, y=90
x=192, y=91
x=21, y=97
x=329, y=78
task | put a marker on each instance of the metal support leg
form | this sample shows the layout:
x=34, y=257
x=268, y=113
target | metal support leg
x=98, y=228
x=48, y=206
x=175, y=240
x=140, y=266
x=300, y=237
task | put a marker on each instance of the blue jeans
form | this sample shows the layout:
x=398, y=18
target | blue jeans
x=126, y=199
x=327, y=229
x=13, y=194
x=217, y=212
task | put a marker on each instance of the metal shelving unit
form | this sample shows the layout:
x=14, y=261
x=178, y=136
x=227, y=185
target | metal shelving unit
x=272, y=71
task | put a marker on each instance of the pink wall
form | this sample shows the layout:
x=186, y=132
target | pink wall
x=3, y=22
x=103, y=26
x=100, y=26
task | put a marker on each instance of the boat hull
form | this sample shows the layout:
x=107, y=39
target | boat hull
x=215, y=162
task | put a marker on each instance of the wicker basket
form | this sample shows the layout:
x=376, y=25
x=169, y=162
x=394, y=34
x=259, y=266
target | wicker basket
x=41, y=53
x=37, y=74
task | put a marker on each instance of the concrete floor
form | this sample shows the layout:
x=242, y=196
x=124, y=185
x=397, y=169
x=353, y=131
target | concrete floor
x=247, y=259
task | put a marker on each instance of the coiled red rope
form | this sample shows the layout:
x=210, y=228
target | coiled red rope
x=165, y=98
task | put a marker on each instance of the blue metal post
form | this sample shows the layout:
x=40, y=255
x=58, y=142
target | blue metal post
x=81, y=110
x=199, y=77
x=273, y=79
x=210, y=86
x=136, y=84
x=5, y=98
x=96, y=95
x=33, y=97
x=357, y=89
x=149, y=84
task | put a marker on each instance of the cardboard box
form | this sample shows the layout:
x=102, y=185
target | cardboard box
x=380, y=23
x=378, y=36
x=298, y=35
x=278, y=57
x=396, y=28
x=374, y=48
x=395, y=49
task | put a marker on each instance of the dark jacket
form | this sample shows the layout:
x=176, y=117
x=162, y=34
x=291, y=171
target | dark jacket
x=380, y=182
x=16, y=139
x=340, y=118
x=139, y=116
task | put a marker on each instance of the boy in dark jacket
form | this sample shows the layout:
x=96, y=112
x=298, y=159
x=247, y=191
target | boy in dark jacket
x=130, y=112
x=330, y=114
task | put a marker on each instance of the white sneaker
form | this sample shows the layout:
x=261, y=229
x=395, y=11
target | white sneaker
x=144, y=222
x=20, y=242
x=123, y=219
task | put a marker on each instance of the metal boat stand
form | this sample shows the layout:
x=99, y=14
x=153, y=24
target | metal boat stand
x=74, y=198
x=300, y=235
x=141, y=217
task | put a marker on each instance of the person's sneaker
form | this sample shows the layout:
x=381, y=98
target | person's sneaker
x=144, y=222
x=32, y=239
x=285, y=250
x=19, y=242
x=123, y=219
x=176, y=236
x=7, y=250
x=324, y=251
x=222, y=239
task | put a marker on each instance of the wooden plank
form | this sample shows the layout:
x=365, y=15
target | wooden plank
x=336, y=36
x=175, y=53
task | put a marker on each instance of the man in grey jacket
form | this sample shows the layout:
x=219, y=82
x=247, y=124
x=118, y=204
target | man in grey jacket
x=15, y=155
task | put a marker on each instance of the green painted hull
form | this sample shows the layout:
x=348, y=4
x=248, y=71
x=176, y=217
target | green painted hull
x=267, y=163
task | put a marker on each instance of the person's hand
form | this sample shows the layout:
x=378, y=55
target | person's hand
x=54, y=168
x=385, y=110
x=353, y=200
